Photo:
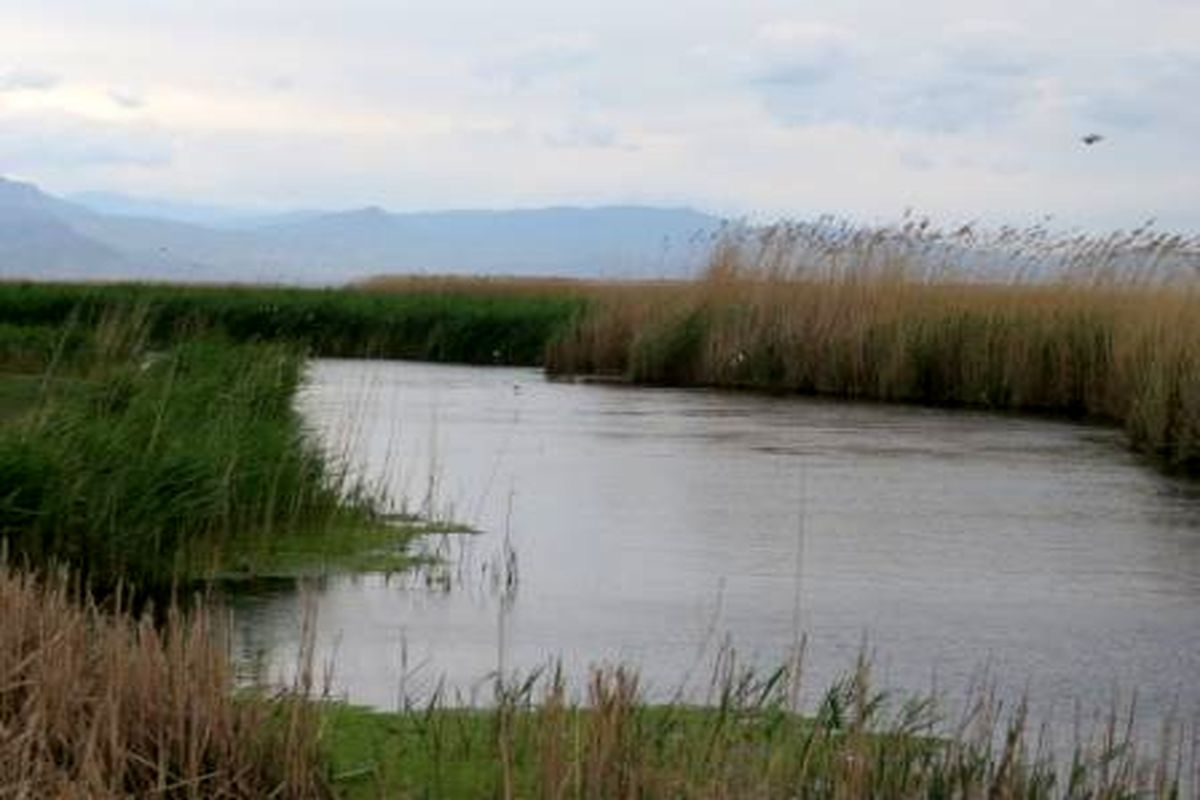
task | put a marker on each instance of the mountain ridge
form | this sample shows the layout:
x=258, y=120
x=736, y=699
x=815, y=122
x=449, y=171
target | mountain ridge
x=333, y=247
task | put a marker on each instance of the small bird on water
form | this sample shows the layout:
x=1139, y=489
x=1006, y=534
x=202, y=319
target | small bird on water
x=1091, y=139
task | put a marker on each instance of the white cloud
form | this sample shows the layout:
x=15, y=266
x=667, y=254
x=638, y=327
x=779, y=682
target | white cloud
x=17, y=80
x=126, y=97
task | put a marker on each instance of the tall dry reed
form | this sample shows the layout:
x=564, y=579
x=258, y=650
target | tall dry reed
x=913, y=316
x=97, y=704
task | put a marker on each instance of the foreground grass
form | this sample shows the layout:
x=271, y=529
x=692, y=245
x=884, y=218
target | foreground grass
x=748, y=744
x=18, y=394
x=97, y=704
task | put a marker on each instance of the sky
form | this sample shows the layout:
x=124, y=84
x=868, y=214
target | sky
x=966, y=110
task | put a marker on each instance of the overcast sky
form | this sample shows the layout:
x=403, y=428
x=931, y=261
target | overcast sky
x=959, y=109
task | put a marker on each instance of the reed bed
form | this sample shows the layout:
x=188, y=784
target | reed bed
x=891, y=316
x=148, y=466
x=96, y=704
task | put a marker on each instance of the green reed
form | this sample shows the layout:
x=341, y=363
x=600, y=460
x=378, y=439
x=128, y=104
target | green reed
x=130, y=462
x=437, y=321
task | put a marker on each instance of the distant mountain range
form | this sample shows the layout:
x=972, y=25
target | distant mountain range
x=99, y=236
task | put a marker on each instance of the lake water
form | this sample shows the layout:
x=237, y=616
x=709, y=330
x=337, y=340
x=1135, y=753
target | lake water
x=649, y=527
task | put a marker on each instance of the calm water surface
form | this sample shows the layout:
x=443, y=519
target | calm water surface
x=650, y=526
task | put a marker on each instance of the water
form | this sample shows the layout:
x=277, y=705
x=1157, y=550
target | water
x=651, y=526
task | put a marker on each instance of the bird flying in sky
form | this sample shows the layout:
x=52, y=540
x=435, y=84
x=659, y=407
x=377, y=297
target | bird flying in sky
x=1091, y=139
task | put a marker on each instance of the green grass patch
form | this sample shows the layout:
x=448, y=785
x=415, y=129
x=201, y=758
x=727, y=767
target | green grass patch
x=537, y=742
x=459, y=323
x=746, y=744
x=441, y=753
x=148, y=465
x=148, y=434
x=18, y=395
x=379, y=545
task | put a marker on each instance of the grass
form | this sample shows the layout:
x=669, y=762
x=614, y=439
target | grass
x=464, y=321
x=98, y=703
x=148, y=466
x=748, y=743
x=95, y=703
x=148, y=432
x=18, y=394
x=379, y=545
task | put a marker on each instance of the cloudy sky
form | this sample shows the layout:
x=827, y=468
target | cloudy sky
x=864, y=108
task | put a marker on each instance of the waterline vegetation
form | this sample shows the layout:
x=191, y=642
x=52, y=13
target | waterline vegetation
x=1102, y=328
x=142, y=465
x=98, y=703
x=467, y=321
x=887, y=317
x=542, y=739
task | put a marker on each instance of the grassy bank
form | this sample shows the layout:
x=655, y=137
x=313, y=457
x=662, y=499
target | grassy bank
x=127, y=462
x=849, y=322
x=478, y=322
x=749, y=743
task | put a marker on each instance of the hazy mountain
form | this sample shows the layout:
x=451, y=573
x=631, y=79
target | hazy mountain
x=44, y=236
x=123, y=205
x=37, y=238
x=36, y=244
x=115, y=204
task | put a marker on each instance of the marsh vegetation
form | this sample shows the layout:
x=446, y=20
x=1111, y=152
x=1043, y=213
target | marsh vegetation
x=151, y=465
x=149, y=438
x=541, y=739
x=96, y=702
x=1105, y=329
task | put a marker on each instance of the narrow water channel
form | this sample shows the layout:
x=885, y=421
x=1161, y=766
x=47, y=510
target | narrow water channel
x=649, y=527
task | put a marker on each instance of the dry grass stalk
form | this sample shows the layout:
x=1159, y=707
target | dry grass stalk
x=747, y=742
x=866, y=317
x=101, y=705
